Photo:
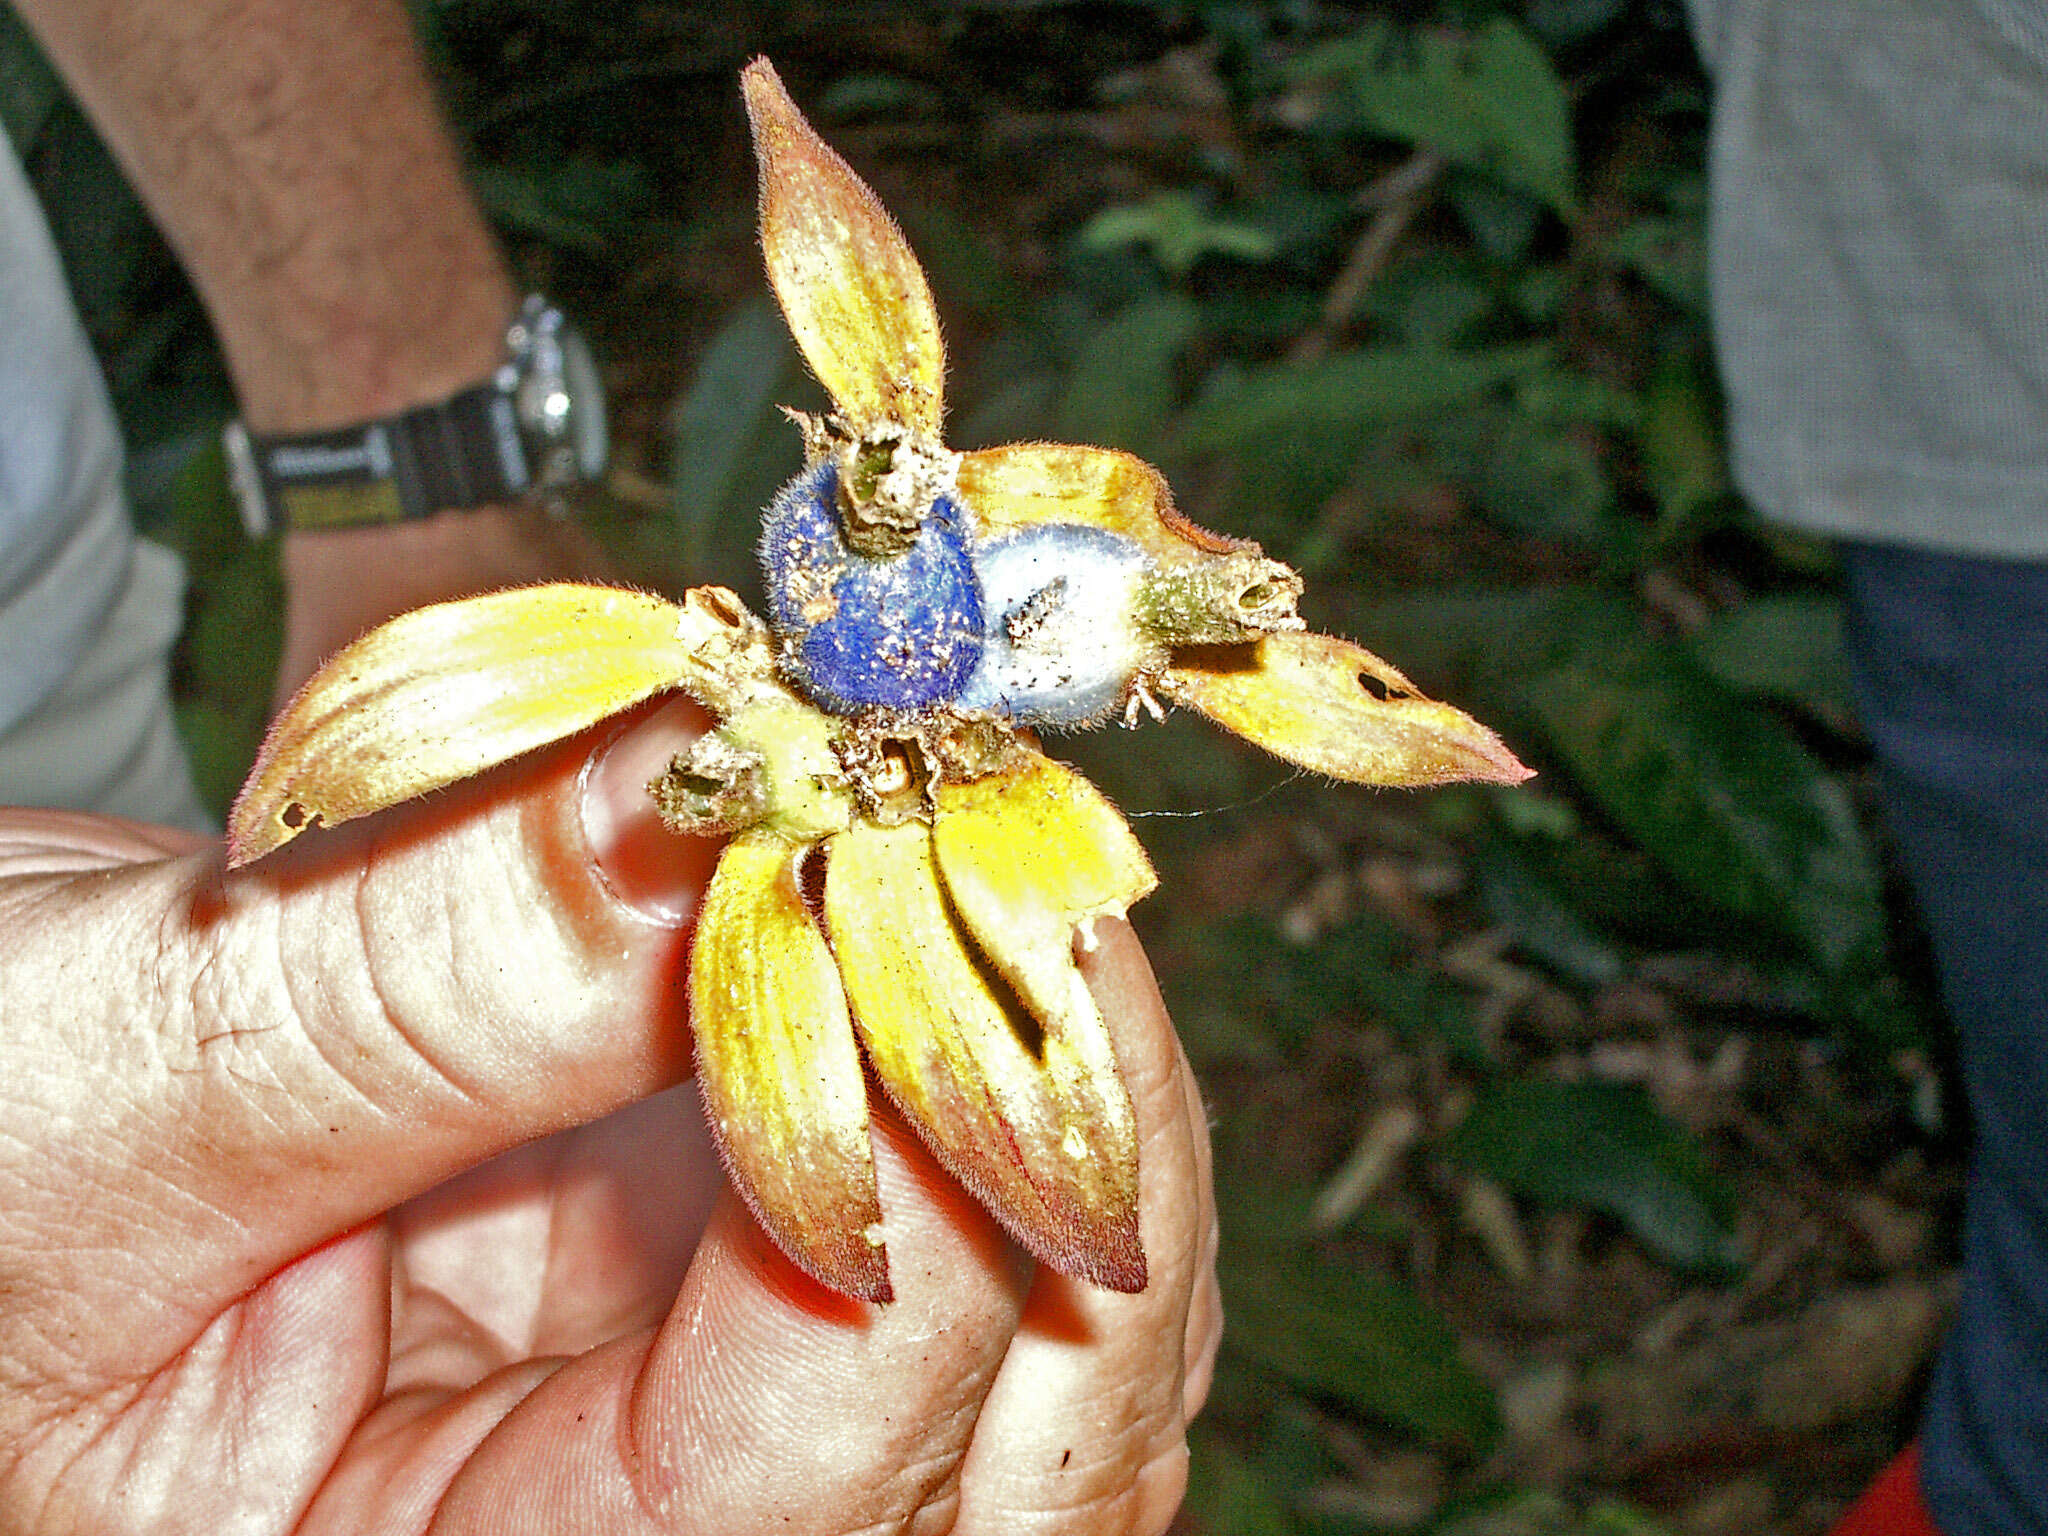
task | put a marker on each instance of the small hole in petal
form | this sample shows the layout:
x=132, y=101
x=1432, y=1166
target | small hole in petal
x=298, y=818
x=1374, y=686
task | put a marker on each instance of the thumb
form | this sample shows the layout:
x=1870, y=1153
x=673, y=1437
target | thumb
x=225, y=1069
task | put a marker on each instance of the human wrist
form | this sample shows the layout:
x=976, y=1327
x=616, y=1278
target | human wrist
x=531, y=429
x=377, y=356
x=311, y=187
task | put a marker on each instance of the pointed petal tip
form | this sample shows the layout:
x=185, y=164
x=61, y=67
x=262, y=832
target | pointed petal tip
x=1127, y=1278
x=767, y=99
x=1511, y=770
x=846, y=1256
x=1334, y=707
x=1110, y=1255
x=1450, y=747
x=849, y=286
x=851, y=1263
x=253, y=832
x=858, y=1269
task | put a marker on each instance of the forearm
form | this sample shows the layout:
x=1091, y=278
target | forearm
x=293, y=154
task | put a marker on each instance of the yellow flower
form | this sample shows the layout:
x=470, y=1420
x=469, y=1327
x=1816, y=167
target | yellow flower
x=906, y=870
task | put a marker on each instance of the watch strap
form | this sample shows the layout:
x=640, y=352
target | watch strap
x=464, y=451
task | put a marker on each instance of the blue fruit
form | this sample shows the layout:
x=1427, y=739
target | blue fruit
x=902, y=632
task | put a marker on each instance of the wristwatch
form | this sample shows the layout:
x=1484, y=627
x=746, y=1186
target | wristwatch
x=534, y=428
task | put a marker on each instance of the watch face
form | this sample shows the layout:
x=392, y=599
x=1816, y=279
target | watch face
x=560, y=402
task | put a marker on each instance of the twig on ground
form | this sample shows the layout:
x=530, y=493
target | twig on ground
x=1399, y=196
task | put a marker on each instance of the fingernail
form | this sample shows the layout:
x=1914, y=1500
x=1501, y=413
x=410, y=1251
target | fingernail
x=655, y=872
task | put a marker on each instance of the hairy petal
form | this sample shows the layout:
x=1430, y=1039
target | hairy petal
x=1046, y=1144
x=852, y=292
x=1029, y=859
x=779, y=1070
x=1332, y=706
x=447, y=691
x=1028, y=856
x=1024, y=485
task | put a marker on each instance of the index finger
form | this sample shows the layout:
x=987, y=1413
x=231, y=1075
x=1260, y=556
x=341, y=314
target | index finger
x=1085, y=1428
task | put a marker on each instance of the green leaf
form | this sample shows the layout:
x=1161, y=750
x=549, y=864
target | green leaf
x=1669, y=253
x=1336, y=1332
x=1785, y=647
x=1543, y=922
x=1608, y=1518
x=1488, y=99
x=233, y=635
x=1350, y=388
x=729, y=447
x=1501, y=219
x=220, y=745
x=1557, y=396
x=870, y=94
x=963, y=266
x=1435, y=302
x=1562, y=22
x=1230, y=1493
x=1603, y=1145
x=1179, y=231
x=1680, y=439
x=227, y=657
x=1121, y=388
x=1543, y=480
x=1252, y=987
x=576, y=204
x=1719, y=791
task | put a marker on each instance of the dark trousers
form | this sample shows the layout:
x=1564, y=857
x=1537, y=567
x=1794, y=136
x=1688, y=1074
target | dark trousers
x=1950, y=656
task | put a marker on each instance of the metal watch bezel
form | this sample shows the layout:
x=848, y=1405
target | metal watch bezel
x=557, y=396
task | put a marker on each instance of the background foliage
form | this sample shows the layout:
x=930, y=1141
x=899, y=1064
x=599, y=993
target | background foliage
x=1517, y=1093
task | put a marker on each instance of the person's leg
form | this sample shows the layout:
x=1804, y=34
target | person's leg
x=1950, y=656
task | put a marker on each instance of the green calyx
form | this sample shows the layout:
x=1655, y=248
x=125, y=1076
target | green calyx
x=1222, y=599
x=772, y=764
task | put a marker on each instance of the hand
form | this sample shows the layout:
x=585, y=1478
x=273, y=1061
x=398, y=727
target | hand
x=352, y=1192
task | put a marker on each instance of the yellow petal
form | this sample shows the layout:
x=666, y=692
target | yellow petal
x=853, y=293
x=1047, y=1145
x=779, y=1070
x=1024, y=484
x=1028, y=857
x=1335, y=707
x=444, y=692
